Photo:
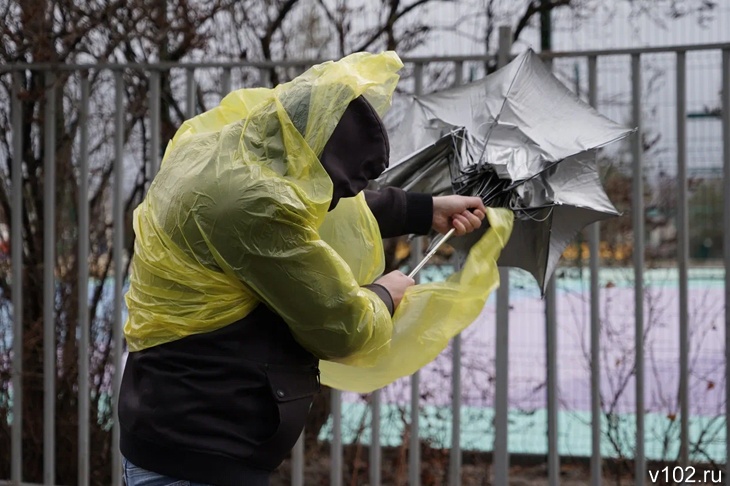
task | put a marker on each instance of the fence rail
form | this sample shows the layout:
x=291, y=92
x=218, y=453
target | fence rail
x=418, y=67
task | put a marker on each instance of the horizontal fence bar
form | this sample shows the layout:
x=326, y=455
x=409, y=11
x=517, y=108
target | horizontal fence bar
x=167, y=66
x=287, y=63
x=630, y=51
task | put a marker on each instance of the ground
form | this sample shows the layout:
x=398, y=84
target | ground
x=475, y=472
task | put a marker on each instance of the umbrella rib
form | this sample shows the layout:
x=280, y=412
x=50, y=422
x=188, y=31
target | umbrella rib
x=501, y=108
x=433, y=167
x=538, y=220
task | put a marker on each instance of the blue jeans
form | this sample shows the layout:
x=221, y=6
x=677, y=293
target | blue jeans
x=136, y=476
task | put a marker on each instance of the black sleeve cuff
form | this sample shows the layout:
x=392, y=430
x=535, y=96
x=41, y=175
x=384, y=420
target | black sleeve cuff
x=384, y=295
x=419, y=213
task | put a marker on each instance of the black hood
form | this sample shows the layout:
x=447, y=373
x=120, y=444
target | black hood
x=357, y=152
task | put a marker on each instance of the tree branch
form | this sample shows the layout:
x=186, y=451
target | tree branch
x=535, y=6
x=392, y=19
x=338, y=24
x=275, y=25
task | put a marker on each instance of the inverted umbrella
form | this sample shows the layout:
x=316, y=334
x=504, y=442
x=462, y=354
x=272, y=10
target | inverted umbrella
x=550, y=209
x=519, y=139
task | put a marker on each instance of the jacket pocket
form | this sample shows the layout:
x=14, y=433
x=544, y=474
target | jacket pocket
x=292, y=390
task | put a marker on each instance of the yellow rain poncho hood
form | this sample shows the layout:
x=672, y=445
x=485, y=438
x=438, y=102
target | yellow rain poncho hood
x=238, y=216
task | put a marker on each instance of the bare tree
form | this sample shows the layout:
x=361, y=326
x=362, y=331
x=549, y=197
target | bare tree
x=65, y=31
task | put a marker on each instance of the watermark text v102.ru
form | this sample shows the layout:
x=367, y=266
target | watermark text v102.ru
x=685, y=475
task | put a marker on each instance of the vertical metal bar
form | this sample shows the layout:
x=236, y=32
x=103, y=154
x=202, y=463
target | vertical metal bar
x=726, y=241
x=505, y=45
x=683, y=256
x=501, y=357
x=49, y=283
x=414, y=440
x=336, y=446
x=418, y=79
x=16, y=247
x=455, y=452
x=458, y=73
x=118, y=227
x=594, y=239
x=551, y=359
x=264, y=77
x=154, y=123
x=551, y=350
x=501, y=400
x=638, y=226
x=297, y=462
x=83, y=211
x=225, y=82
x=190, y=92
x=375, y=453
x=414, y=446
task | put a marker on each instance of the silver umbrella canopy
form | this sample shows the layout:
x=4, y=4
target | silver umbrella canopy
x=519, y=139
x=550, y=210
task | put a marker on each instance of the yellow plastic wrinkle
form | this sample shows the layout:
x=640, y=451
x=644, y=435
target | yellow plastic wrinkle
x=430, y=315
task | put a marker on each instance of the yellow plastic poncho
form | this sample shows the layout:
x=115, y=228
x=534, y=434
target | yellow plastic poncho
x=238, y=216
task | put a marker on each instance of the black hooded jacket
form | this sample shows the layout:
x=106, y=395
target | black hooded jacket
x=227, y=404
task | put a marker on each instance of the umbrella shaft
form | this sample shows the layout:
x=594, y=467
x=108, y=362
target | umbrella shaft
x=431, y=253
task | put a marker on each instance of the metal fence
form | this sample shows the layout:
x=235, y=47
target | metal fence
x=418, y=79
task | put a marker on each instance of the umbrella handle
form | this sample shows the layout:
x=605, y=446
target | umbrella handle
x=431, y=253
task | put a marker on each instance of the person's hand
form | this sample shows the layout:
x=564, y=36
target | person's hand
x=396, y=282
x=454, y=212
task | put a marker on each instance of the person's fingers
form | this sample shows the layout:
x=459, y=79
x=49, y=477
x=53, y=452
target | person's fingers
x=479, y=214
x=459, y=223
x=466, y=224
x=396, y=283
x=475, y=202
x=408, y=280
x=473, y=220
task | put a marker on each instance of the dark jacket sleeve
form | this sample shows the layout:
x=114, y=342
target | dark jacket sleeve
x=399, y=212
x=384, y=295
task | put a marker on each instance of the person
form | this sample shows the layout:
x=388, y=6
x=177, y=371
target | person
x=225, y=406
